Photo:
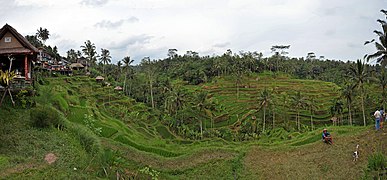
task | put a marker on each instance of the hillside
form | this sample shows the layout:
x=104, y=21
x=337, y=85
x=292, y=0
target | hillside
x=101, y=133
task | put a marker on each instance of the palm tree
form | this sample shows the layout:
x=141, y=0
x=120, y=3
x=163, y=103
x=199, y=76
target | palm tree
x=149, y=68
x=72, y=55
x=89, y=51
x=264, y=100
x=312, y=105
x=105, y=58
x=383, y=83
x=381, y=54
x=127, y=61
x=347, y=93
x=358, y=75
x=337, y=109
x=43, y=34
x=299, y=102
x=119, y=64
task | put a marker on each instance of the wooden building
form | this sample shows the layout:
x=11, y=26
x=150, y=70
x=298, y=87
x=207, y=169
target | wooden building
x=13, y=44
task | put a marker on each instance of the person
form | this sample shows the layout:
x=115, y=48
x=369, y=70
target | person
x=326, y=136
x=377, y=116
x=382, y=117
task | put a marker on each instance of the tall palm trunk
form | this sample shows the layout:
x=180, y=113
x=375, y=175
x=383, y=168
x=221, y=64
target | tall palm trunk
x=350, y=114
x=362, y=107
x=298, y=120
x=311, y=118
x=201, y=129
x=125, y=89
x=151, y=92
x=264, y=118
x=273, y=118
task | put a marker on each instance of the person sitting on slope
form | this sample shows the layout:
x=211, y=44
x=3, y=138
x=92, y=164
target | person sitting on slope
x=326, y=136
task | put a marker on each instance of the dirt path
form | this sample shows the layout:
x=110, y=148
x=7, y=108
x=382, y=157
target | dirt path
x=316, y=160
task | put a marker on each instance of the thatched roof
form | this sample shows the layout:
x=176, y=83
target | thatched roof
x=99, y=78
x=118, y=88
x=27, y=48
x=76, y=65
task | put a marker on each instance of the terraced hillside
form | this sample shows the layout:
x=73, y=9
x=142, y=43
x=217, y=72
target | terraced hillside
x=239, y=108
x=133, y=142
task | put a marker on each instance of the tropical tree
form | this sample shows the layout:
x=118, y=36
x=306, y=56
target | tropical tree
x=347, y=93
x=43, y=34
x=119, y=65
x=381, y=54
x=264, y=100
x=382, y=79
x=33, y=39
x=89, y=51
x=105, y=58
x=279, y=52
x=72, y=55
x=299, y=102
x=6, y=79
x=358, y=75
x=128, y=68
x=312, y=106
x=337, y=109
x=150, y=71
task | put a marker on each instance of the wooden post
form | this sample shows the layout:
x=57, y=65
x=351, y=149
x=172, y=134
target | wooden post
x=26, y=67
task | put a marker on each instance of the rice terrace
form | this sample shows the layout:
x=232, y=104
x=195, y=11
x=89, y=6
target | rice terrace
x=144, y=106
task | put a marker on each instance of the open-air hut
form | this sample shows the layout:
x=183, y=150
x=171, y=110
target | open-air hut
x=118, y=88
x=99, y=78
x=15, y=46
x=76, y=66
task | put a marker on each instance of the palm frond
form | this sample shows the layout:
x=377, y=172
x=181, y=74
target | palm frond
x=381, y=21
x=379, y=47
x=367, y=42
x=378, y=33
x=375, y=55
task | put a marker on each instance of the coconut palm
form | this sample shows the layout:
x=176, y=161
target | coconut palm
x=299, y=102
x=119, y=65
x=381, y=54
x=264, y=100
x=337, y=109
x=105, y=58
x=347, y=93
x=43, y=34
x=383, y=83
x=89, y=51
x=149, y=68
x=72, y=55
x=312, y=106
x=127, y=66
x=359, y=75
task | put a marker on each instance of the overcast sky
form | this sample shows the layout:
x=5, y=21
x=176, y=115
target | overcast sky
x=335, y=29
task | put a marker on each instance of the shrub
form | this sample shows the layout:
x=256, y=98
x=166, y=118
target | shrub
x=377, y=161
x=44, y=117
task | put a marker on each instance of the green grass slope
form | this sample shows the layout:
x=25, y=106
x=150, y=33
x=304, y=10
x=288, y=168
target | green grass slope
x=104, y=134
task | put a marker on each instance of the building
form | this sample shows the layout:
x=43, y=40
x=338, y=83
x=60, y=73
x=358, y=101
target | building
x=14, y=45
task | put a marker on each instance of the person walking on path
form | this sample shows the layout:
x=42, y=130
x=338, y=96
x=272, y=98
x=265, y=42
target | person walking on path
x=377, y=119
x=382, y=117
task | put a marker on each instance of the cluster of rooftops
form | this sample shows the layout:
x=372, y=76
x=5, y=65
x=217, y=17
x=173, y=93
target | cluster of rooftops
x=25, y=56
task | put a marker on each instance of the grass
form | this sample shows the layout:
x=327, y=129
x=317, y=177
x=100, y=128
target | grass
x=139, y=140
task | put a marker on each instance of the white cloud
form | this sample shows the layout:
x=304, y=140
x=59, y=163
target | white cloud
x=115, y=24
x=336, y=29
